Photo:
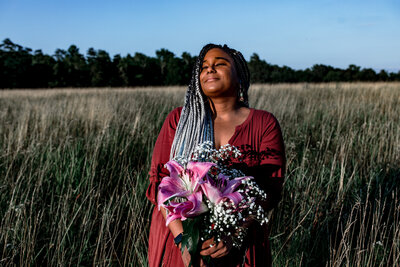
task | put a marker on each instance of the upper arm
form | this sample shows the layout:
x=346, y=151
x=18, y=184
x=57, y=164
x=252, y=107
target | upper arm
x=272, y=149
x=272, y=161
x=161, y=153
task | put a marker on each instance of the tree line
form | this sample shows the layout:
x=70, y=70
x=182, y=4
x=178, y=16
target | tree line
x=21, y=67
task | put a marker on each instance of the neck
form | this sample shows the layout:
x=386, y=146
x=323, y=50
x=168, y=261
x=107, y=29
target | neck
x=224, y=106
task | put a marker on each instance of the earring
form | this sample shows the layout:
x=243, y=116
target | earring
x=241, y=98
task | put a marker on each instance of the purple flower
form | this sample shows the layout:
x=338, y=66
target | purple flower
x=224, y=188
x=181, y=189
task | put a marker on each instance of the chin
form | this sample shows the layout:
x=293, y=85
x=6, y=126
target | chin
x=212, y=91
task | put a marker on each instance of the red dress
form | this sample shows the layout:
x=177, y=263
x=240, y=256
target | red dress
x=260, y=140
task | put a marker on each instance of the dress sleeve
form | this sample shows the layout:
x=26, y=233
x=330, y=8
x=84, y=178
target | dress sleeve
x=272, y=148
x=161, y=153
x=272, y=161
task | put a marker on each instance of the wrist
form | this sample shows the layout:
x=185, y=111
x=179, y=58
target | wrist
x=178, y=239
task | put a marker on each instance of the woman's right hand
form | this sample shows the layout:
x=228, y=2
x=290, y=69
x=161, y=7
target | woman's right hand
x=186, y=258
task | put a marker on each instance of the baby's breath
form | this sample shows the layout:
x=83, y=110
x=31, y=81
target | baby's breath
x=224, y=218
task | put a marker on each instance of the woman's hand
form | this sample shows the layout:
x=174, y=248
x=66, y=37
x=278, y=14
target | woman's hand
x=216, y=250
x=185, y=256
x=221, y=249
x=249, y=221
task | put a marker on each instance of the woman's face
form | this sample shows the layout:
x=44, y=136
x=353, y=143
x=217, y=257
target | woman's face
x=218, y=75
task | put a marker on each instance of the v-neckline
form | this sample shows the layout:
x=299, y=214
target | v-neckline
x=237, y=128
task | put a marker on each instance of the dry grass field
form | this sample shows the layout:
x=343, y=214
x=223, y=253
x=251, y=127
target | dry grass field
x=74, y=164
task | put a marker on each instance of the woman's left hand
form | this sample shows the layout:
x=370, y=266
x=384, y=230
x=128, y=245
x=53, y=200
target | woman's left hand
x=216, y=250
x=249, y=221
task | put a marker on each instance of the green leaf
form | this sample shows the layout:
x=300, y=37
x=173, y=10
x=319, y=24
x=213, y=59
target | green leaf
x=191, y=235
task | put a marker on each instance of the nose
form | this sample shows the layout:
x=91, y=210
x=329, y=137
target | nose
x=211, y=69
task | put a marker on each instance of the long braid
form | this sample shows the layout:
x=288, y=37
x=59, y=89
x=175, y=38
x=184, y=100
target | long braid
x=195, y=123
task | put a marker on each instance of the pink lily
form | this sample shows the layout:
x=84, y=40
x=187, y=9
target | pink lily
x=181, y=189
x=224, y=188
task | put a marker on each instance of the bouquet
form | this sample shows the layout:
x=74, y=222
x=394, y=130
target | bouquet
x=210, y=198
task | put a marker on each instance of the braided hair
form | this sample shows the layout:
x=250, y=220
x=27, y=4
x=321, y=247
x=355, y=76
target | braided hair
x=195, y=124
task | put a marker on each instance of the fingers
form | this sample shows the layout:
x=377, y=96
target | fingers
x=208, y=243
x=216, y=250
x=221, y=251
x=186, y=257
x=249, y=221
x=227, y=246
x=210, y=248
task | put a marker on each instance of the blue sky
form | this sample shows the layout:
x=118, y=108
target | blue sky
x=298, y=33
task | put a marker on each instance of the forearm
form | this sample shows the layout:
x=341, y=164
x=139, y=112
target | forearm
x=175, y=226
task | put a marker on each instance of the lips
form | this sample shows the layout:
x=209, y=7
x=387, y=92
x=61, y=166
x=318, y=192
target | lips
x=211, y=79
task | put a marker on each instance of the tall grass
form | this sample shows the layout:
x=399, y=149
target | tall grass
x=74, y=164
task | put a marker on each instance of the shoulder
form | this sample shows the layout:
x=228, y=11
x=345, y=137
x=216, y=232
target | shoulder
x=175, y=113
x=264, y=117
x=173, y=117
x=266, y=123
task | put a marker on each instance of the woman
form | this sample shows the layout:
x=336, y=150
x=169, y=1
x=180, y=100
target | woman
x=216, y=109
